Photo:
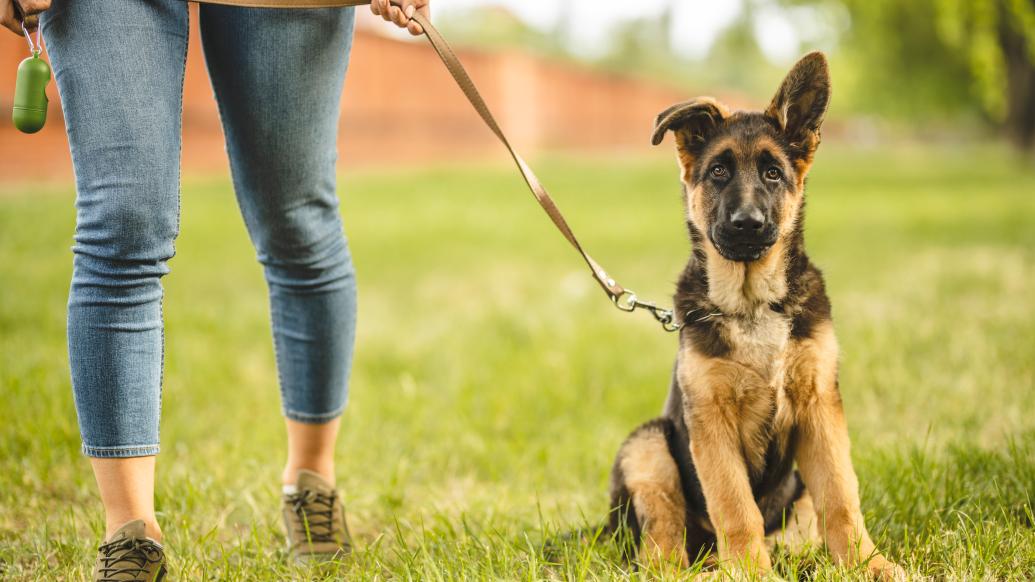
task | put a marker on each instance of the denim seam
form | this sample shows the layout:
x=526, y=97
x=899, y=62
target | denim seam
x=277, y=363
x=313, y=418
x=176, y=234
x=120, y=451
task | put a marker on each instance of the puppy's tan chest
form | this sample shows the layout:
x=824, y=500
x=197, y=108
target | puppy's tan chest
x=760, y=344
x=747, y=385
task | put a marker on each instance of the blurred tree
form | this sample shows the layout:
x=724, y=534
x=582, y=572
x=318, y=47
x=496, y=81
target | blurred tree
x=643, y=46
x=925, y=61
x=496, y=27
x=736, y=61
x=640, y=46
x=909, y=58
x=998, y=38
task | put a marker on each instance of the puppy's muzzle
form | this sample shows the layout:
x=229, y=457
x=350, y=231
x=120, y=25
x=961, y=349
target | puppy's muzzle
x=745, y=235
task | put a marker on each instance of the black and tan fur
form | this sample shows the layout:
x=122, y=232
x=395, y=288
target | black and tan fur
x=754, y=391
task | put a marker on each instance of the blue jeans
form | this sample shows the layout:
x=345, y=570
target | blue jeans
x=277, y=76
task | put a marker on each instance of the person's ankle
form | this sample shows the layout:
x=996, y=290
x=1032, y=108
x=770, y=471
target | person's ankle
x=151, y=528
x=325, y=470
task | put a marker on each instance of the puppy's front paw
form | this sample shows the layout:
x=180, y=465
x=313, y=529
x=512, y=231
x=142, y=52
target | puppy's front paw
x=654, y=556
x=886, y=571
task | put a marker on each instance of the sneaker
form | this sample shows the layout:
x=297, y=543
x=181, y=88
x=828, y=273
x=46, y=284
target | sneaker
x=129, y=555
x=314, y=517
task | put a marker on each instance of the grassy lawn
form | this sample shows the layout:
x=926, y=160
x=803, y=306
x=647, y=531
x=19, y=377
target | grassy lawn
x=493, y=383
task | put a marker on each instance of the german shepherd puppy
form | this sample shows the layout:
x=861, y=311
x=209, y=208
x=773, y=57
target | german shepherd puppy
x=755, y=386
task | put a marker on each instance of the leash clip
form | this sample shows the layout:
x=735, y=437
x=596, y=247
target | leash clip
x=629, y=302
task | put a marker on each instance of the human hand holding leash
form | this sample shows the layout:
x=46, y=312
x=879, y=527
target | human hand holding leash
x=13, y=13
x=401, y=12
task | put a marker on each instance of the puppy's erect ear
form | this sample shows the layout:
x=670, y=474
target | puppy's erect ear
x=694, y=119
x=801, y=102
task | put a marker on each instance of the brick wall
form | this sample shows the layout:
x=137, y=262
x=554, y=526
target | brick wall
x=399, y=103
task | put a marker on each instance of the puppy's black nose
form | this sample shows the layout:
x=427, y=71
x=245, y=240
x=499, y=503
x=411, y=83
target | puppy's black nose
x=748, y=220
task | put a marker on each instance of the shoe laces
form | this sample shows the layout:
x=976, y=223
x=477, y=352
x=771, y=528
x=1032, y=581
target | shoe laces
x=127, y=557
x=315, y=513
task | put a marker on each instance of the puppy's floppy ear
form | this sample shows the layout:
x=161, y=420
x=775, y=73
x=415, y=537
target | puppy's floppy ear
x=695, y=119
x=801, y=102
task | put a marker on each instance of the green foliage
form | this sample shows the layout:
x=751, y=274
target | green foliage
x=921, y=63
x=642, y=46
x=894, y=62
x=735, y=63
x=639, y=47
x=973, y=28
x=496, y=28
x=931, y=59
x=493, y=382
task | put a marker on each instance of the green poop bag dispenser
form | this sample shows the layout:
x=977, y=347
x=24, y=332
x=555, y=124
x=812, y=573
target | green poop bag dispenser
x=30, y=91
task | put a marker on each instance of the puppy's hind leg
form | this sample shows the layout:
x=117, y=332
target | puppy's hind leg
x=800, y=528
x=647, y=497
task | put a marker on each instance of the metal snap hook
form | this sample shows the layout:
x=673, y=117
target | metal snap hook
x=626, y=301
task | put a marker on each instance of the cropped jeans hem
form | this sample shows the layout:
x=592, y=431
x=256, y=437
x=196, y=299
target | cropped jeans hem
x=313, y=418
x=120, y=452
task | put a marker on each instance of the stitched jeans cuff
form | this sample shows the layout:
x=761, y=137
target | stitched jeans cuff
x=313, y=418
x=120, y=452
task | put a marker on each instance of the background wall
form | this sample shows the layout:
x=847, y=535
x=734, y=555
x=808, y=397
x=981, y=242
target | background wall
x=399, y=103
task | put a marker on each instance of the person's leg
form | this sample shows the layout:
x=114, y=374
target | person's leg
x=119, y=71
x=127, y=488
x=278, y=76
x=310, y=446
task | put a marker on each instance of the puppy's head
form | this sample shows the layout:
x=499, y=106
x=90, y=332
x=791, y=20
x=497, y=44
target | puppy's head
x=744, y=172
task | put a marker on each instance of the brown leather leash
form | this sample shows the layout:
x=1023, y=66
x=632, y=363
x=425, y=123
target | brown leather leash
x=623, y=298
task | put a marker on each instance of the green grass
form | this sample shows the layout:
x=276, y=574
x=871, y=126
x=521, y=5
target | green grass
x=493, y=382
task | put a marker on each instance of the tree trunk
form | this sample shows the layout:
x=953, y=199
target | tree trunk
x=1020, y=81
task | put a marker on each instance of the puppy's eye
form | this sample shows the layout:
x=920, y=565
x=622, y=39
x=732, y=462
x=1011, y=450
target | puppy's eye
x=719, y=171
x=773, y=173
